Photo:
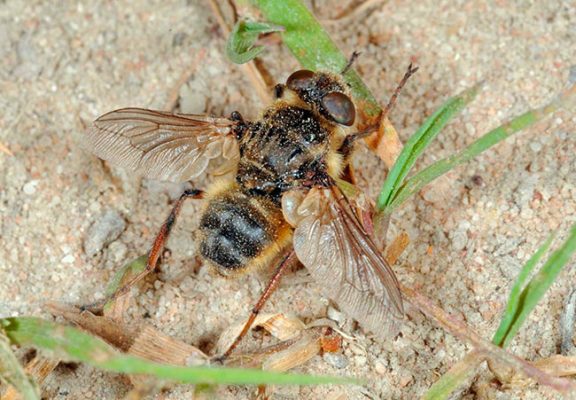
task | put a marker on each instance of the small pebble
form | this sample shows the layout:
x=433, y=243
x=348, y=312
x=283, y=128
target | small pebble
x=117, y=251
x=29, y=188
x=527, y=213
x=535, y=147
x=405, y=378
x=572, y=74
x=105, y=230
x=336, y=360
x=380, y=368
x=69, y=259
x=567, y=324
x=459, y=240
x=360, y=361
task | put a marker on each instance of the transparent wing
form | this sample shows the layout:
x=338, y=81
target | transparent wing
x=161, y=145
x=341, y=257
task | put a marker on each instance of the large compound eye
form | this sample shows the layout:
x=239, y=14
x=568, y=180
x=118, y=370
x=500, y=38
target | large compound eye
x=339, y=107
x=299, y=80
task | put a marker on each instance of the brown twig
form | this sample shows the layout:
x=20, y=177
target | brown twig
x=459, y=329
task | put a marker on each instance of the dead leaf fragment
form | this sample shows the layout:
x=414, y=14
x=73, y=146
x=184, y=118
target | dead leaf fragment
x=397, y=247
x=297, y=354
x=281, y=326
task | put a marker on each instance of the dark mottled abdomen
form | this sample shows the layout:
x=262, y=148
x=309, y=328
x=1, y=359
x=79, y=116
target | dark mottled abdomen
x=236, y=229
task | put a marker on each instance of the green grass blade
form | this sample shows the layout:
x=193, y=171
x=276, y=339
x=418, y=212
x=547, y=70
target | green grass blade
x=128, y=270
x=80, y=346
x=538, y=285
x=240, y=47
x=520, y=304
x=418, y=143
x=514, y=304
x=452, y=379
x=422, y=178
x=314, y=48
x=12, y=373
x=132, y=268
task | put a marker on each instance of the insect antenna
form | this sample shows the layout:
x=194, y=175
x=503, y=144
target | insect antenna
x=409, y=72
x=346, y=147
x=351, y=61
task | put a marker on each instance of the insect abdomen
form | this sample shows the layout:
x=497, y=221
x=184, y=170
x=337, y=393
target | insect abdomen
x=238, y=231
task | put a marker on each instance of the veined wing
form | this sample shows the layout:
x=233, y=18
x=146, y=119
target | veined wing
x=343, y=259
x=162, y=145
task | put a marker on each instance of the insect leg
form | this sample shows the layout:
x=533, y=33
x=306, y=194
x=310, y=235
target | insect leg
x=272, y=285
x=155, y=252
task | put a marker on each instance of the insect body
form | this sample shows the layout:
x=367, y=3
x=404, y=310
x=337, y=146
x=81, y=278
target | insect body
x=284, y=192
x=239, y=231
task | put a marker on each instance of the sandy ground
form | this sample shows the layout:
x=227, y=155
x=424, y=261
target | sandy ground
x=64, y=63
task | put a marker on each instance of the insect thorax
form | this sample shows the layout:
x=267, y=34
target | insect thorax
x=287, y=146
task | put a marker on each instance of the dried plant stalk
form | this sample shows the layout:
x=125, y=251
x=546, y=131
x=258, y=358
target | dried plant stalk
x=557, y=365
x=485, y=347
x=354, y=12
x=38, y=369
x=118, y=335
x=154, y=345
